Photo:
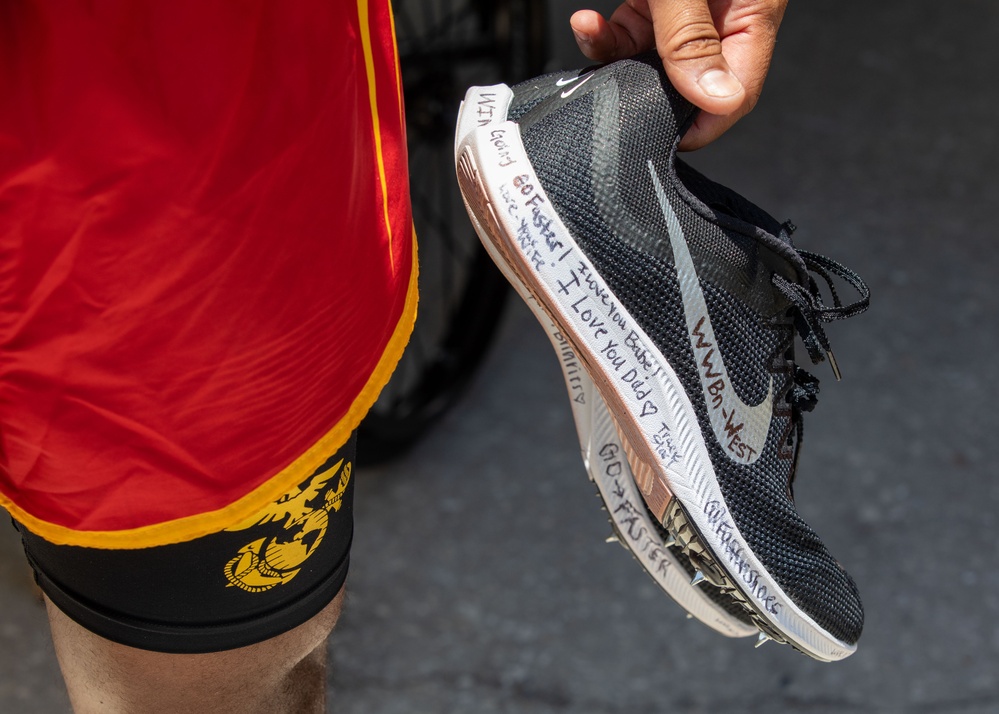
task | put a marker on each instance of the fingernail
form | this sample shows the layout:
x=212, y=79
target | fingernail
x=719, y=83
x=581, y=36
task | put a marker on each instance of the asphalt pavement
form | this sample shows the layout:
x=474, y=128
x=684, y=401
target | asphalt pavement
x=481, y=581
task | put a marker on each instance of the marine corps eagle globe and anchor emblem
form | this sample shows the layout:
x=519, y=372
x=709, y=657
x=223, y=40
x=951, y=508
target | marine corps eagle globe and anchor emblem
x=305, y=513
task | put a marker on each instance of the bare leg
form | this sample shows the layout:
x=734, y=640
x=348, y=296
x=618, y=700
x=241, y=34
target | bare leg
x=283, y=674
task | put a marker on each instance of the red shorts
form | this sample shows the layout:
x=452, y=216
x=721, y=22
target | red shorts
x=207, y=265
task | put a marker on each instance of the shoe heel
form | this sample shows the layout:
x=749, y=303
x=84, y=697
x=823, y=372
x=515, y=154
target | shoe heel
x=481, y=106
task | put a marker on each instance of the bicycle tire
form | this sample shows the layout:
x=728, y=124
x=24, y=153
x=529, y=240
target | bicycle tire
x=444, y=47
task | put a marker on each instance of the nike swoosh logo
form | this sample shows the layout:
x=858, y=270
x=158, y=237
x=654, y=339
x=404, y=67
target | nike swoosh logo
x=563, y=82
x=740, y=428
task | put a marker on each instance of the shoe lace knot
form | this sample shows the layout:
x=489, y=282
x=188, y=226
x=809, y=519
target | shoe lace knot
x=804, y=392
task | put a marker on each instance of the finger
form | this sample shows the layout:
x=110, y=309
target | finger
x=705, y=129
x=748, y=46
x=627, y=33
x=691, y=49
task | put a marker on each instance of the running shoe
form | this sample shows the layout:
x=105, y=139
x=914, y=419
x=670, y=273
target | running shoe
x=605, y=455
x=682, y=300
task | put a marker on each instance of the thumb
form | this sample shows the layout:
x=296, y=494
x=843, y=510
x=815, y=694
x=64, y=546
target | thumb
x=691, y=50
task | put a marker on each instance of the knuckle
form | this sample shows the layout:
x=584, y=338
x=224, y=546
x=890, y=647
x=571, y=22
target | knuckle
x=694, y=41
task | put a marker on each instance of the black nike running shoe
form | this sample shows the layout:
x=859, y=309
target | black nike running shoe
x=682, y=299
x=605, y=454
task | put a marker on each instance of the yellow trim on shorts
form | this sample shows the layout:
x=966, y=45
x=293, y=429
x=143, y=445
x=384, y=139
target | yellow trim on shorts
x=191, y=527
x=369, y=65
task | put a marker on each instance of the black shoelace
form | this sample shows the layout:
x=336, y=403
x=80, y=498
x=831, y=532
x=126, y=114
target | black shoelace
x=809, y=312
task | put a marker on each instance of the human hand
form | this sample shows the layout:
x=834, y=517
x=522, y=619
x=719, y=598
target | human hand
x=716, y=52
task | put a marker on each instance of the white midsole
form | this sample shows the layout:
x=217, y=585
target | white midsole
x=627, y=368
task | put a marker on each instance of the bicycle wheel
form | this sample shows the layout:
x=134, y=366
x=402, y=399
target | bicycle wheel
x=445, y=46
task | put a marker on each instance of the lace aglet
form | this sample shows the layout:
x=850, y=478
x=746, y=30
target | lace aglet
x=835, y=366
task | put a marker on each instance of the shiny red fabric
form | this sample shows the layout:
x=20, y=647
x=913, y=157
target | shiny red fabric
x=205, y=247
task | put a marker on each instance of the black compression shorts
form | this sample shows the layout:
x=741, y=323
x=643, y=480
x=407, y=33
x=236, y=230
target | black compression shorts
x=248, y=583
